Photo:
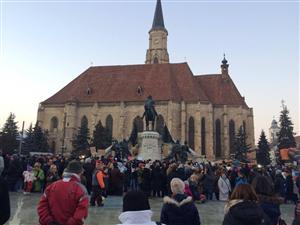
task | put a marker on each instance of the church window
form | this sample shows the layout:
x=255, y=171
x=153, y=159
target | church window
x=109, y=124
x=53, y=146
x=244, y=127
x=155, y=61
x=160, y=122
x=218, y=145
x=191, y=134
x=140, y=90
x=84, y=121
x=231, y=136
x=203, y=138
x=138, y=123
x=53, y=123
x=88, y=91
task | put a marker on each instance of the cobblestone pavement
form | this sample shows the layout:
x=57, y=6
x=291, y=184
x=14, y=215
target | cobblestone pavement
x=211, y=213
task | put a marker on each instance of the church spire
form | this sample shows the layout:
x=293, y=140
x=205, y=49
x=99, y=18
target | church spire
x=224, y=66
x=158, y=38
x=158, y=21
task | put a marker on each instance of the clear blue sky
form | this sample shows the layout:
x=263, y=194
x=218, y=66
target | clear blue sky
x=46, y=44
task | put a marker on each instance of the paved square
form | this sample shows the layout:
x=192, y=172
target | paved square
x=211, y=213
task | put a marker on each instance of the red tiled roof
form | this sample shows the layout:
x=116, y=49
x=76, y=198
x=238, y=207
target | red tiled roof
x=220, y=90
x=163, y=81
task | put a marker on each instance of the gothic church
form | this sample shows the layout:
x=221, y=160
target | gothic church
x=204, y=110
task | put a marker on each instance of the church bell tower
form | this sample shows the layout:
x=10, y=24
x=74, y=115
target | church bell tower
x=157, y=52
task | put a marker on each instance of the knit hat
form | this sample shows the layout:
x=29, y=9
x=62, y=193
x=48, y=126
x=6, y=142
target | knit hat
x=74, y=167
x=135, y=201
x=177, y=186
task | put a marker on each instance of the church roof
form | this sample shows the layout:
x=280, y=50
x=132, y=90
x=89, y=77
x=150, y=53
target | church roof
x=158, y=21
x=220, y=90
x=164, y=82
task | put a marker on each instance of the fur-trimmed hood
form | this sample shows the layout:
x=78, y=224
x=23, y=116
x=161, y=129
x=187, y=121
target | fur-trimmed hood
x=178, y=203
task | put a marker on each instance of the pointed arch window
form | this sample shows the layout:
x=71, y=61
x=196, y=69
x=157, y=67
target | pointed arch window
x=155, y=61
x=191, y=133
x=218, y=146
x=84, y=121
x=109, y=124
x=53, y=123
x=138, y=124
x=231, y=136
x=244, y=127
x=203, y=137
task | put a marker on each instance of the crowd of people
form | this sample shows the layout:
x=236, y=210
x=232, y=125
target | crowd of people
x=253, y=195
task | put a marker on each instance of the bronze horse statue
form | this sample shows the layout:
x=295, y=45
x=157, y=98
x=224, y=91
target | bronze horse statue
x=150, y=113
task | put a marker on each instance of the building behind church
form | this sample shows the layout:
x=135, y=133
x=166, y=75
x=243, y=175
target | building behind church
x=204, y=110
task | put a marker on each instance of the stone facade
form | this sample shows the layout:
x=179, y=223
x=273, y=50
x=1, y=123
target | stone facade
x=176, y=115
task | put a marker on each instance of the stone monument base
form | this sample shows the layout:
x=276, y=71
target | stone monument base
x=149, y=146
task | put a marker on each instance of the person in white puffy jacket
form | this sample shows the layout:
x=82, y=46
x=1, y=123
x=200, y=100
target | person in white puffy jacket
x=224, y=186
x=136, y=209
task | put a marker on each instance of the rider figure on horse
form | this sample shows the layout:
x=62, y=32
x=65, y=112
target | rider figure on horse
x=150, y=113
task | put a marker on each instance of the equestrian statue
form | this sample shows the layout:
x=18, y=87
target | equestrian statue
x=150, y=113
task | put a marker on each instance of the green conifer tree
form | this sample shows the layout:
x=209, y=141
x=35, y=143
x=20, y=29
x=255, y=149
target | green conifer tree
x=8, y=135
x=240, y=145
x=40, y=139
x=286, y=135
x=28, y=144
x=263, y=151
x=102, y=137
x=81, y=143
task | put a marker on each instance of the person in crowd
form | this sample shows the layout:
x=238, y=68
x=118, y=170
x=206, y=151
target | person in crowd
x=289, y=194
x=116, y=178
x=171, y=173
x=243, y=209
x=193, y=185
x=39, y=177
x=180, y=209
x=267, y=199
x=296, y=220
x=52, y=175
x=4, y=201
x=279, y=183
x=156, y=180
x=208, y=183
x=88, y=173
x=241, y=179
x=187, y=190
x=29, y=178
x=146, y=180
x=224, y=186
x=14, y=174
x=98, y=185
x=136, y=209
x=65, y=201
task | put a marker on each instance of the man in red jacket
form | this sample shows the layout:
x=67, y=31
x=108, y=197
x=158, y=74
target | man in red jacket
x=65, y=202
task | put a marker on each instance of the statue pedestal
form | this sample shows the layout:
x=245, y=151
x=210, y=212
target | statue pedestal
x=149, y=147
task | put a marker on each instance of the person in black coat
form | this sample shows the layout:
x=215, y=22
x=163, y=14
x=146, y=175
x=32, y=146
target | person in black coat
x=180, y=209
x=266, y=198
x=156, y=179
x=290, y=195
x=4, y=202
x=243, y=209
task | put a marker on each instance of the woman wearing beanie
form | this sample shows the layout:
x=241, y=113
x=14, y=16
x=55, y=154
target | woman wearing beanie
x=136, y=209
x=180, y=209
